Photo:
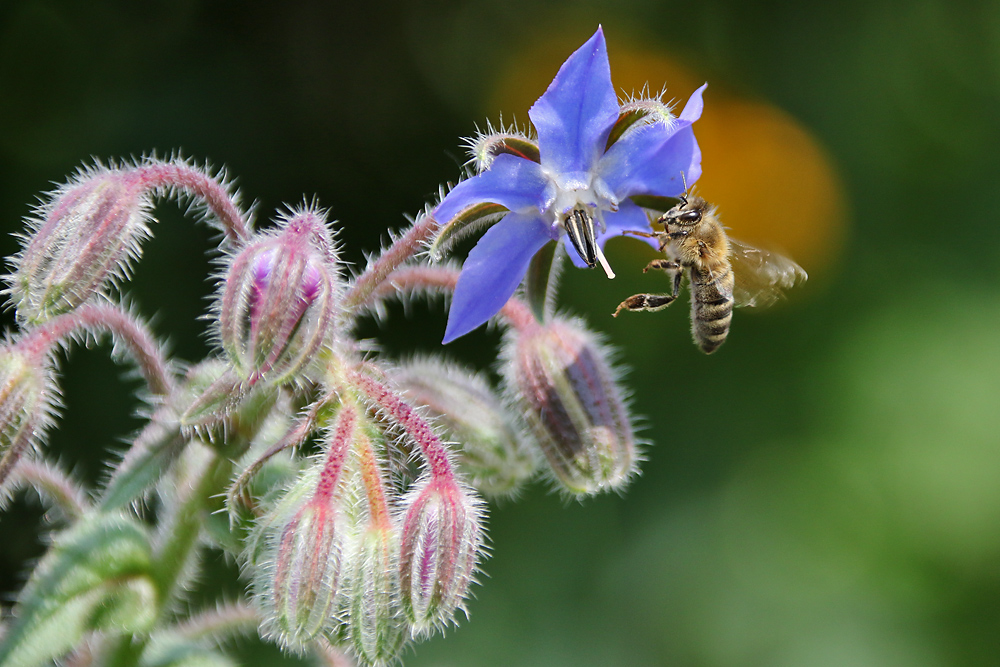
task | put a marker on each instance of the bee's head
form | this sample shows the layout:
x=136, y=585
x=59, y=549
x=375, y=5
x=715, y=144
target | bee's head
x=687, y=213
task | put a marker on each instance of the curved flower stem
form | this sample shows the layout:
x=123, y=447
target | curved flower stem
x=124, y=328
x=362, y=292
x=61, y=490
x=195, y=182
x=399, y=412
x=515, y=312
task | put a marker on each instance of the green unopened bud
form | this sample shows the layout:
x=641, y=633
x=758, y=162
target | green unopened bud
x=376, y=626
x=26, y=403
x=568, y=392
x=440, y=547
x=96, y=577
x=83, y=237
x=492, y=455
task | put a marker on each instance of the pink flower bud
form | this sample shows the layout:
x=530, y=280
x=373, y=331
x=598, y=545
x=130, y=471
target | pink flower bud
x=298, y=551
x=568, y=392
x=26, y=404
x=83, y=237
x=492, y=454
x=278, y=300
x=440, y=547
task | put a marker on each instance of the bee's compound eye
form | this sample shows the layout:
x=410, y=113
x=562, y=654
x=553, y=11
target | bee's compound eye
x=689, y=217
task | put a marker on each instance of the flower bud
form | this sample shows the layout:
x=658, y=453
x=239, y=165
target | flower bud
x=376, y=626
x=278, y=299
x=440, y=547
x=568, y=392
x=83, y=237
x=26, y=394
x=492, y=455
x=298, y=550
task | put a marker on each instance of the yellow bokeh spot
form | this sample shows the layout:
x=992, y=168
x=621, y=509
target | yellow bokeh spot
x=774, y=184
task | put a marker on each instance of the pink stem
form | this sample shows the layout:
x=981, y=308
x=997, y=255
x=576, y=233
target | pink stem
x=405, y=247
x=196, y=182
x=125, y=328
x=399, y=412
x=515, y=312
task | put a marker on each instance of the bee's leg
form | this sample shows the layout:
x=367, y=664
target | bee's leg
x=650, y=302
x=663, y=265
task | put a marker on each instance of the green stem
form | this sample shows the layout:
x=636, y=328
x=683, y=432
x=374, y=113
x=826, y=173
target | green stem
x=178, y=541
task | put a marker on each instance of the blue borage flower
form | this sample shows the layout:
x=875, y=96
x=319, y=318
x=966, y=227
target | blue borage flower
x=592, y=156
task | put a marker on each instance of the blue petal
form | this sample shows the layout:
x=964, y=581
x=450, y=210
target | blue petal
x=650, y=160
x=575, y=115
x=493, y=270
x=510, y=181
x=628, y=217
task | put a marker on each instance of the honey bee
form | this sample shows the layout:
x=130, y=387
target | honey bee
x=722, y=271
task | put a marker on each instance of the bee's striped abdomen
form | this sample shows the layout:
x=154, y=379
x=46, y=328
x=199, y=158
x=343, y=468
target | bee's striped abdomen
x=711, y=307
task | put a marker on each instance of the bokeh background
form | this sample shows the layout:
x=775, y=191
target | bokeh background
x=824, y=490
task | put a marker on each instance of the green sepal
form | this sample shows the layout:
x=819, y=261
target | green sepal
x=639, y=111
x=511, y=144
x=95, y=578
x=471, y=219
x=540, y=282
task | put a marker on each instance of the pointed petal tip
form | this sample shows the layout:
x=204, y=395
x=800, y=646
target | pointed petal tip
x=695, y=105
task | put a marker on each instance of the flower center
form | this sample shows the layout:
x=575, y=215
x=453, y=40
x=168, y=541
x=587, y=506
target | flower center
x=579, y=201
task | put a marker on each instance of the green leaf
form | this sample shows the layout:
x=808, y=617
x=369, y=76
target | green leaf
x=95, y=578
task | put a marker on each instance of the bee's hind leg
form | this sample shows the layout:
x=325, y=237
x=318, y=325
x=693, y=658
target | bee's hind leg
x=650, y=302
x=654, y=302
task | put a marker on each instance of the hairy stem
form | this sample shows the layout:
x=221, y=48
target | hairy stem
x=125, y=329
x=361, y=292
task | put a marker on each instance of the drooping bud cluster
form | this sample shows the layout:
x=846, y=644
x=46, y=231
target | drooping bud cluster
x=348, y=556
x=493, y=454
x=559, y=375
x=279, y=298
x=83, y=237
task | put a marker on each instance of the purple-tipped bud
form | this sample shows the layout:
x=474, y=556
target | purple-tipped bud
x=492, y=454
x=278, y=300
x=568, y=392
x=440, y=548
x=297, y=553
x=85, y=236
x=26, y=408
x=376, y=626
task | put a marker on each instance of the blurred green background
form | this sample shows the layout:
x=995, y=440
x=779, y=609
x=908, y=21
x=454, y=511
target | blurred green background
x=825, y=490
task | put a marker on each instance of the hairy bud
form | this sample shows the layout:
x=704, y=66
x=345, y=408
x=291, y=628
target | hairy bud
x=26, y=392
x=83, y=237
x=376, y=626
x=278, y=299
x=298, y=551
x=568, y=392
x=440, y=547
x=492, y=455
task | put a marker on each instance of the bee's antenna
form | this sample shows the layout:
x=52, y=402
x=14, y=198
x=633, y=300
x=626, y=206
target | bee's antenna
x=683, y=196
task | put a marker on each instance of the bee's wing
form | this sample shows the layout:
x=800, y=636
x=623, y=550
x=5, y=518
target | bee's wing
x=761, y=276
